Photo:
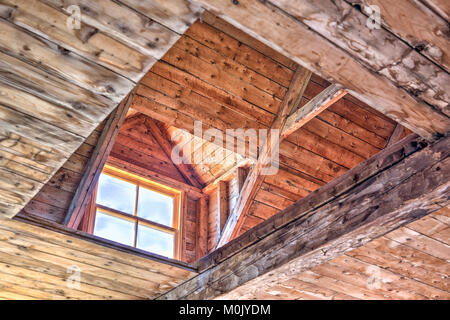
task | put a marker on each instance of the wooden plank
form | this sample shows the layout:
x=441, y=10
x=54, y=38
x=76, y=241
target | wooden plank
x=396, y=135
x=207, y=90
x=347, y=221
x=40, y=52
x=222, y=203
x=123, y=23
x=44, y=252
x=380, y=51
x=313, y=108
x=96, y=163
x=177, y=15
x=246, y=39
x=439, y=6
x=424, y=33
x=254, y=178
x=39, y=83
x=87, y=41
x=240, y=52
x=275, y=28
x=240, y=166
x=326, y=193
x=202, y=234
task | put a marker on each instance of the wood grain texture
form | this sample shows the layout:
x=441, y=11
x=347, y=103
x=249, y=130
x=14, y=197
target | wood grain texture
x=254, y=179
x=59, y=83
x=273, y=27
x=398, y=266
x=35, y=259
x=345, y=223
x=96, y=163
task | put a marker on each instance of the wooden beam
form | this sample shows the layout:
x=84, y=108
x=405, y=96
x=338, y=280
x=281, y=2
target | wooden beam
x=254, y=179
x=241, y=175
x=95, y=165
x=396, y=134
x=370, y=200
x=333, y=56
x=310, y=110
x=164, y=141
x=227, y=176
x=222, y=203
x=202, y=230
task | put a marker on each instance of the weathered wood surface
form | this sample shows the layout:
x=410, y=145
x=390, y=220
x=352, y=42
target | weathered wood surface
x=408, y=263
x=34, y=261
x=96, y=163
x=59, y=83
x=366, y=77
x=428, y=32
x=254, y=179
x=380, y=199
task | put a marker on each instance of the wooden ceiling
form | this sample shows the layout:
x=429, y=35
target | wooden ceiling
x=409, y=263
x=57, y=87
x=339, y=138
x=58, y=83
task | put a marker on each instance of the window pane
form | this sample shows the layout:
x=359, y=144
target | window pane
x=155, y=206
x=116, y=194
x=155, y=241
x=114, y=228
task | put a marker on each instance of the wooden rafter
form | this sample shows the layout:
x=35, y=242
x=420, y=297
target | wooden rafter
x=95, y=165
x=310, y=110
x=254, y=179
x=369, y=77
x=295, y=121
x=164, y=141
x=368, y=201
x=396, y=134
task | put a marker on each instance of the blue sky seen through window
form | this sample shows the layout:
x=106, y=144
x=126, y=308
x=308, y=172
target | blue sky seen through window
x=114, y=228
x=116, y=194
x=154, y=207
x=156, y=241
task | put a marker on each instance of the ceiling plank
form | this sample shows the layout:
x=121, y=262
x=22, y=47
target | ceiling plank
x=308, y=233
x=334, y=59
x=96, y=162
x=254, y=179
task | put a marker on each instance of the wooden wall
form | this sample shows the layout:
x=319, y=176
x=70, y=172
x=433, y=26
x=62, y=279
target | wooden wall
x=215, y=220
x=137, y=146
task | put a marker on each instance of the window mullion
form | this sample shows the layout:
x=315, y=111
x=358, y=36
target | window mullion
x=135, y=214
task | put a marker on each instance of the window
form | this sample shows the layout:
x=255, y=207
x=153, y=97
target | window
x=137, y=212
